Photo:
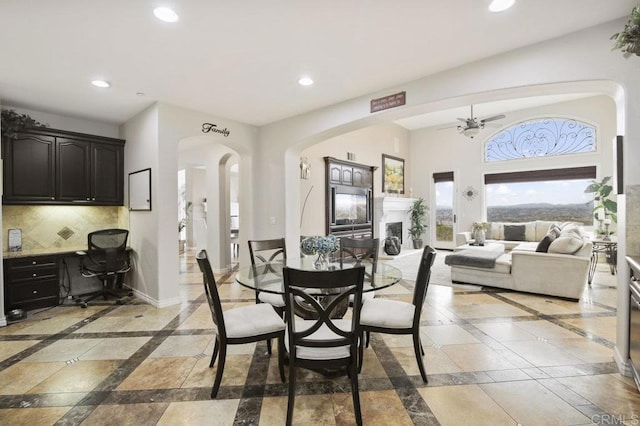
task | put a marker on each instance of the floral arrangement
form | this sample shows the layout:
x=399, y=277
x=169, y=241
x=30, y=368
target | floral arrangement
x=480, y=226
x=320, y=245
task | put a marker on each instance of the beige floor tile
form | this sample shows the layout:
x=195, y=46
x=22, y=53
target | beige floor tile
x=105, y=325
x=476, y=357
x=32, y=416
x=464, y=405
x=553, y=305
x=530, y=403
x=63, y=350
x=159, y=373
x=195, y=413
x=81, y=376
x=182, y=346
x=10, y=348
x=379, y=407
x=435, y=361
x=371, y=366
x=200, y=319
x=308, y=410
x=505, y=331
x=115, y=348
x=21, y=377
x=546, y=330
x=607, y=392
x=489, y=310
x=49, y=326
x=235, y=372
x=449, y=334
x=584, y=349
x=128, y=414
x=602, y=327
x=542, y=354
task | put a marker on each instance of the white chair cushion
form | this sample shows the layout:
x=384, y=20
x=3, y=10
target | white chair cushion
x=273, y=299
x=387, y=313
x=323, y=333
x=252, y=320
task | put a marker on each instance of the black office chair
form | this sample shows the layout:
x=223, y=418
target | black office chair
x=107, y=259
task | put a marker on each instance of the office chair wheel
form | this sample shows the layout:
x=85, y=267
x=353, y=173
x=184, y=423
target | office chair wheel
x=83, y=305
x=119, y=302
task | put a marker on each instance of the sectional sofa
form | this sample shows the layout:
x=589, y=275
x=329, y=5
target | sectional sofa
x=561, y=270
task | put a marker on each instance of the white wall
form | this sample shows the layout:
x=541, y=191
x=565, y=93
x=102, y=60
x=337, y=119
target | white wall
x=368, y=145
x=446, y=150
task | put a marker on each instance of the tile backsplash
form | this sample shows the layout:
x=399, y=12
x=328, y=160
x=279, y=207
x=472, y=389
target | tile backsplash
x=54, y=227
x=633, y=220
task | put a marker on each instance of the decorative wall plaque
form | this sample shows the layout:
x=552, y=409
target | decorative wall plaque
x=391, y=101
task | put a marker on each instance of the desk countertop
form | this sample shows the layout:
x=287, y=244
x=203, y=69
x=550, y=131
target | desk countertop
x=60, y=251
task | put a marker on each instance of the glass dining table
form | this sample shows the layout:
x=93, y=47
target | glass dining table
x=268, y=277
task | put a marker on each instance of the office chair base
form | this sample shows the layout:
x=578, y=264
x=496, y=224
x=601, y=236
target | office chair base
x=83, y=299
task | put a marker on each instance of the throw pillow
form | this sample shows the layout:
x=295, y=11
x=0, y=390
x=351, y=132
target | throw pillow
x=565, y=245
x=543, y=245
x=514, y=233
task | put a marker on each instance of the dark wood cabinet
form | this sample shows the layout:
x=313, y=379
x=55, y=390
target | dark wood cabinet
x=29, y=166
x=45, y=166
x=349, y=198
x=31, y=282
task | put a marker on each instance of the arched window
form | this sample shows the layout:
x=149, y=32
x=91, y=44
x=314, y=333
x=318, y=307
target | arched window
x=542, y=137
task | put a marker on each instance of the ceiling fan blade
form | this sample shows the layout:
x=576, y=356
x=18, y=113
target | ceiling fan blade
x=447, y=127
x=495, y=117
x=464, y=120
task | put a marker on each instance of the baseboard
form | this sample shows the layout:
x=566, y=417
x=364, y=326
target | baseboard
x=155, y=302
x=3, y=321
x=624, y=365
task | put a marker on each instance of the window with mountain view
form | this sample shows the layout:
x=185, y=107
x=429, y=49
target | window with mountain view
x=554, y=195
x=542, y=137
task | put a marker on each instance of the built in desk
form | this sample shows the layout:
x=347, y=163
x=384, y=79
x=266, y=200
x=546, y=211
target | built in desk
x=35, y=279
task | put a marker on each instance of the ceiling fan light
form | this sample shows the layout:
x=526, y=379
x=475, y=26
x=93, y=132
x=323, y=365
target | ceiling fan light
x=500, y=5
x=470, y=132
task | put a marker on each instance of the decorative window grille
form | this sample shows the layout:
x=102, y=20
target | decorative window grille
x=544, y=137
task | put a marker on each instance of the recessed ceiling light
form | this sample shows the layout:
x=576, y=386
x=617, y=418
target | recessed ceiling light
x=500, y=5
x=165, y=14
x=101, y=83
x=305, y=81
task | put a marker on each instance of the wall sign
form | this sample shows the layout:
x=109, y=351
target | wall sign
x=212, y=128
x=391, y=101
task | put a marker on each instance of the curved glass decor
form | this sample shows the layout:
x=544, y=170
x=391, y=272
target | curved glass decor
x=541, y=138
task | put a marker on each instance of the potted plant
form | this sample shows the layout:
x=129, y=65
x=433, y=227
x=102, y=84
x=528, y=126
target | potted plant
x=628, y=40
x=417, y=216
x=601, y=190
x=13, y=122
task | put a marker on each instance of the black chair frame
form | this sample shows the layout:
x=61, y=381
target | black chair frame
x=419, y=295
x=222, y=340
x=339, y=284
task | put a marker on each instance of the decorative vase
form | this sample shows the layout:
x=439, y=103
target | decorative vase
x=392, y=246
x=321, y=263
x=480, y=237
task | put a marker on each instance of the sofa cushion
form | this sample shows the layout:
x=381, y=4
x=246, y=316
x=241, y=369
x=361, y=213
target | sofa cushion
x=542, y=229
x=496, y=231
x=566, y=244
x=514, y=233
x=543, y=245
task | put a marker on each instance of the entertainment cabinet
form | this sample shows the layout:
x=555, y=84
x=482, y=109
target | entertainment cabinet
x=349, y=198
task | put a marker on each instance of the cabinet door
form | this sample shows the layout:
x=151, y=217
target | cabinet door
x=73, y=170
x=107, y=178
x=335, y=174
x=29, y=168
x=347, y=175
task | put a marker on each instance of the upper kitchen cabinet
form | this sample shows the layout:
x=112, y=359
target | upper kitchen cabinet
x=46, y=166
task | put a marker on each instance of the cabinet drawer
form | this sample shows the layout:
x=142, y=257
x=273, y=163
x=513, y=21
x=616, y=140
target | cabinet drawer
x=32, y=290
x=19, y=275
x=31, y=261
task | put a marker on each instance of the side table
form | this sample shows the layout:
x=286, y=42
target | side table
x=610, y=249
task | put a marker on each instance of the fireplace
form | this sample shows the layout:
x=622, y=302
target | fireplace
x=394, y=229
x=391, y=218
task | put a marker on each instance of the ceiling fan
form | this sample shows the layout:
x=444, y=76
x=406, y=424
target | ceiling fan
x=472, y=125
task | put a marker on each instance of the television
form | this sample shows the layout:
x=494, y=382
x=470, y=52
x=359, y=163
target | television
x=350, y=209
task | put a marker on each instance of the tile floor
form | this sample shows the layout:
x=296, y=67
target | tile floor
x=493, y=357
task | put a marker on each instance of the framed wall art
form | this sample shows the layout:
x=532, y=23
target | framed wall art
x=392, y=174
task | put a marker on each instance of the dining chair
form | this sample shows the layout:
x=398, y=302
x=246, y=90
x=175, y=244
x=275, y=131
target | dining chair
x=265, y=251
x=245, y=324
x=324, y=342
x=359, y=249
x=397, y=317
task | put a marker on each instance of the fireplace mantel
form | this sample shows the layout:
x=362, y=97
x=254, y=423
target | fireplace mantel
x=393, y=209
